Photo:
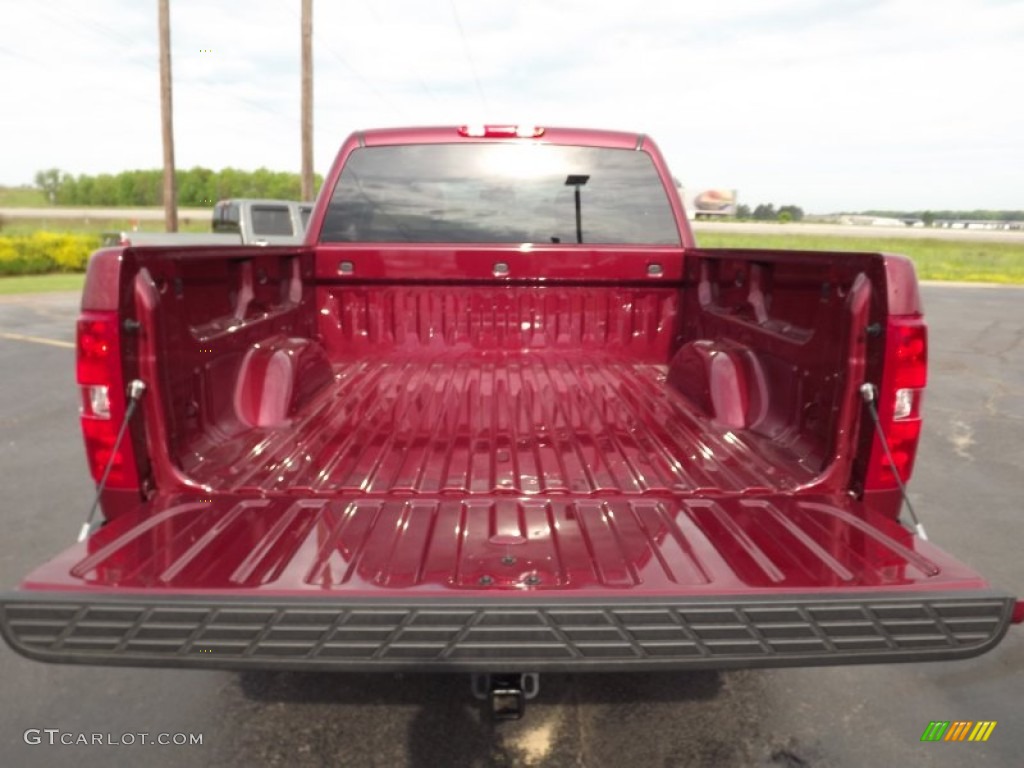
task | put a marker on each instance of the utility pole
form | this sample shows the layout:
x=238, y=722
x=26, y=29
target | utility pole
x=307, y=100
x=170, y=188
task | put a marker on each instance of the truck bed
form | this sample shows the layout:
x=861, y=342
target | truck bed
x=492, y=422
x=501, y=510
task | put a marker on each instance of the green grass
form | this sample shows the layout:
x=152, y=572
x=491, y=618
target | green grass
x=22, y=197
x=952, y=260
x=41, y=283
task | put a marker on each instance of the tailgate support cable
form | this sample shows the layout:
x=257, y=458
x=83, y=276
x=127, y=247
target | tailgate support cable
x=136, y=389
x=869, y=392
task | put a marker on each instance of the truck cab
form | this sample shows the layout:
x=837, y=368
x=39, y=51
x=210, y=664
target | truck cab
x=263, y=222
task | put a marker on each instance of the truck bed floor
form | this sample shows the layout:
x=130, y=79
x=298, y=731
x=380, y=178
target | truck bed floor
x=487, y=422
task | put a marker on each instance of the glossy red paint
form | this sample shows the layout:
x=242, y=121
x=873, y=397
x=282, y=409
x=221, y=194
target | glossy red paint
x=902, y=295
x=552, y=402
x=277, y=379
x=527, y=263
x=355, y=320
x=510, y=386
x=496, y=423
x=102, y=281
x=796, y=324
x=656, y=546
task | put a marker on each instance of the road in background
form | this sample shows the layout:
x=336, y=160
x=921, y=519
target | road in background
x=739, y=227
x=857, y=230
x=967, y=488
x=142, y=214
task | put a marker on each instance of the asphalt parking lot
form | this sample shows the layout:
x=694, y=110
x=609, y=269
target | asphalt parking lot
x=967, y=488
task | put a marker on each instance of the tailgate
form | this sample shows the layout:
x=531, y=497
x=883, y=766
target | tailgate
x=503, y=584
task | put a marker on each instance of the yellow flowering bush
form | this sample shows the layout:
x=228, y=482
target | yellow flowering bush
x=43, y=252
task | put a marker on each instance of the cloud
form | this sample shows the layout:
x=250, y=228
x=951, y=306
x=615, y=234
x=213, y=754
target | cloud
x=827, y=105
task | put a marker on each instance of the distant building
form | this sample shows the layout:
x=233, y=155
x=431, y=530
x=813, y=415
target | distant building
x=871, y=221
x=865, y=220
x=982, y=224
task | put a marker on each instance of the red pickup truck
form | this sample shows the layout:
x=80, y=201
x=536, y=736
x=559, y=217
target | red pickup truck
x=500, y=415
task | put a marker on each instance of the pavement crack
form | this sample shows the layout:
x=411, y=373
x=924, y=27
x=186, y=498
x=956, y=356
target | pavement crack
x=787, y=758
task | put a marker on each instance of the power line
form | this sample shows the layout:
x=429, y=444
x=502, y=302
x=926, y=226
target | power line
x=322, y=45
x=4, y=50
x=105, y=31
x=424, y=88
x=469, y=55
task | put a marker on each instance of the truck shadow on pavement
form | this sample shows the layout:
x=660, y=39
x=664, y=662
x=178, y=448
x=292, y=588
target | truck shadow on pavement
x=437, y=721
x=385, y=689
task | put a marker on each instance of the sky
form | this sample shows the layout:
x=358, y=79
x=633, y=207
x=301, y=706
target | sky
x=833, y=105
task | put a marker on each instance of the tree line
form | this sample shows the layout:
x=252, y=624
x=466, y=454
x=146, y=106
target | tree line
x=768, y=212
x=197, y=187
x=930, y=216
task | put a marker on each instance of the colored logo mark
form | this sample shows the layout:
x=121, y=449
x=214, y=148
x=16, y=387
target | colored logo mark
x=958, y=730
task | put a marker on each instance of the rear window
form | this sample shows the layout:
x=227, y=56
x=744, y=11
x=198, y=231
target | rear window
x=499, y=193
x=305, y=211
x=271, y=220
x=225, y=217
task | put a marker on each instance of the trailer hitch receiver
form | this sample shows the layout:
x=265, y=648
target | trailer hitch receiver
x=506, y=694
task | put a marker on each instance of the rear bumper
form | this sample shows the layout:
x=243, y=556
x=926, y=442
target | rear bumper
x=502, y=635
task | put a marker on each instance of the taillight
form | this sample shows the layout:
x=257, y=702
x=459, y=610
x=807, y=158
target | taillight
x=103, y=399
x=501, y=131
x=899, y=402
